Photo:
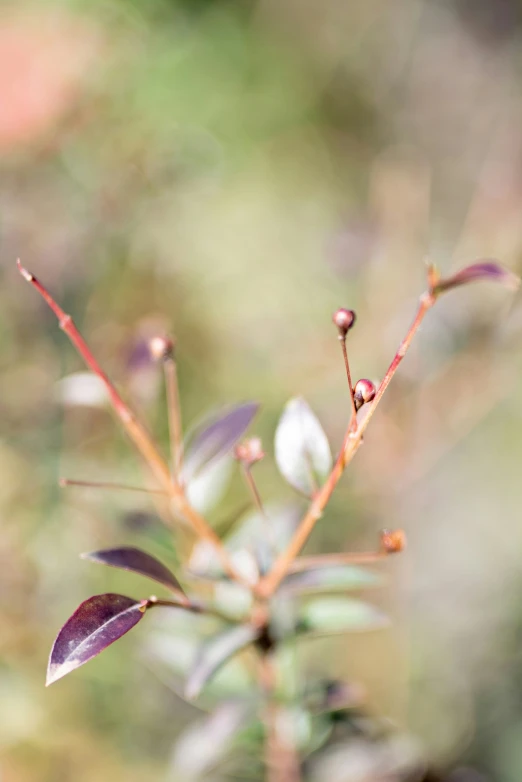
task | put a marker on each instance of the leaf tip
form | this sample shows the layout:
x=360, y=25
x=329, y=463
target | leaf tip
x=487, y=270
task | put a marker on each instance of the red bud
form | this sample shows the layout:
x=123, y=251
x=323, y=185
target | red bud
x=363, y=392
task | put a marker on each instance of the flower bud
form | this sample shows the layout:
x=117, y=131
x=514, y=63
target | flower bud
x=161, y=348
x=344, y=320
x=363, y=392
x=249, y=452
x=393, y=541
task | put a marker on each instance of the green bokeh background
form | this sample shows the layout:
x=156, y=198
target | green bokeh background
x=232, y=172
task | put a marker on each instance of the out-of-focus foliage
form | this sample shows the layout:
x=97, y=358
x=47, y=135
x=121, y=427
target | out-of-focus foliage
x=232, y=172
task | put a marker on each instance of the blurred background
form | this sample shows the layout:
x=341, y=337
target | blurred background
x=231, y=172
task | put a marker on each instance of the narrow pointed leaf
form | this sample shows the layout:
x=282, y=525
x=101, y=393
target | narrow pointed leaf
x=482, y=270
x=216, y=653
x=95, y=625
x=332, y=578
x=136, y=561
x=217, y=437
x=340, y=615
x=302, y=450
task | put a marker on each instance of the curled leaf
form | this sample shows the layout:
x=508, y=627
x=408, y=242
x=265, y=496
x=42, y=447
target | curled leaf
x=482, y=270
x=217, y=437
x=95, y=625
x=136, y=561
x=216, y=653
x=340, y=615
x=302, y=450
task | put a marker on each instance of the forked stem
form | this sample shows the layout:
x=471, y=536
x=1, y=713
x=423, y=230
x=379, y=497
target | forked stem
x=135, y=429
x=352, y=440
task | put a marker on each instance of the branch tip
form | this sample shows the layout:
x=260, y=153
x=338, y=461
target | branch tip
x=23, y=271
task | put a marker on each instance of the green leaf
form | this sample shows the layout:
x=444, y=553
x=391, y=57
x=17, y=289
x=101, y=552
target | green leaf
x=173, y=645
x=248, y=543
x=340, y=615
x=215, y=654
x=206, y=743
x=332, y=578
x=302, y=450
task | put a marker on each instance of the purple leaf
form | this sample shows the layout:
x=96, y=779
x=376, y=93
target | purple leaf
x=482, y=270
x=216, y=653
x=217, y=437
x=96, y=624
x=137, y=561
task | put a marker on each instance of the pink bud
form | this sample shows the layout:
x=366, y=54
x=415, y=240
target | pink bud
x=344, y=320
x=250, y=451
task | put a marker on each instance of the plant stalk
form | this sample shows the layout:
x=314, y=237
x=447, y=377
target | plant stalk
x=136, y=430
x=351, y=443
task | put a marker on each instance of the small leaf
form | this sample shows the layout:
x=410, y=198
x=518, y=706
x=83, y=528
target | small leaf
x=482, y=270
x=95, y=625
x=173, y=646
x=302, y=451
x=217, y=437
x=84, y=389
x=137, y=561
x=340, y=615
x=334, y=577
x=206, y=489
x=216, y=653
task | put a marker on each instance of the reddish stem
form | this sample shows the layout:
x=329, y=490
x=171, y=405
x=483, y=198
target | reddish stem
x=352, y=440
x=135, y=429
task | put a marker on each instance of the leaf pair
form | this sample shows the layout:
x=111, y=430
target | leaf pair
x=102, y=619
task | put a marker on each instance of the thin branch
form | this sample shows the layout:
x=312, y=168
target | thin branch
x=352, y=440
x=135, y=429
x=174, y=415
x=195, y=607
x=353, y=417
x=326, y=560
x=258, y=503
x=64, y=483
